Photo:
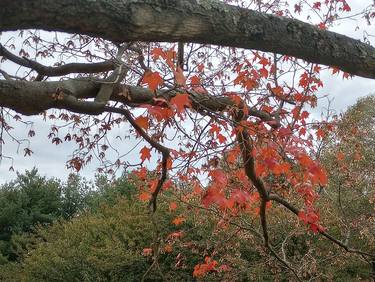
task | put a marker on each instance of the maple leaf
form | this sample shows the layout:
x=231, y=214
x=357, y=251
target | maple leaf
x=195, y=80
x=179, y=77
x=215, y=128
x=172, y=206
x=222, y=139
x=178, y=220
x=159, y=113
x=147, y=252
x=340, y=156
x=141, y=173
x=302, y=131
x=201, y=270
x=142, y=122
x=180, y=101
x=219, y=177
x=263, y=72
x=152, y=79
x=145, y=153
x=153, y=184
x=320, y=133
x=27, y=152
x=201, y=67
x=168, y=248
x=157, y=52
x=144, y=196
x=317, y=5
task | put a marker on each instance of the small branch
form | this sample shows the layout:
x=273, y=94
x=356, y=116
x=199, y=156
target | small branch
x=5, y=75
x=289, y=206
x=116, y=76
x=66, y=69
x=162, y=149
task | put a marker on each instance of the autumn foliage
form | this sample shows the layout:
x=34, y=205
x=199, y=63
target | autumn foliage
x=227, y=130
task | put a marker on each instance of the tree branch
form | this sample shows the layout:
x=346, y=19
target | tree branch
x=43, y=70
x=205, y=22
x=162, y=149
x=289, y=206
x=34, y=97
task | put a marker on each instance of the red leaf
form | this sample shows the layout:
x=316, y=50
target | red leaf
x=147, y=252
x=158, y=52
x=172, y=206
x=222, y=139
x=263, y=72
x=152, y=79
x=142, y=122
x=179, y=77
x=180, y=101
x=195, y=80
x=145, y=154
x=144, y=196
x=178, y=220
x=159, y=113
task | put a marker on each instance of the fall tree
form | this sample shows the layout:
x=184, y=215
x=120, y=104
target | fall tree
x=218, y=90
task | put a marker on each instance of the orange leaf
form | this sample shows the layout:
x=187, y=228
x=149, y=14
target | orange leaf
x=145, y=153
x=144, y=196
x=195, y=80
x=180, y=101
x=147, y=252
x=340, y=156
x=172, y=206
x=178, y=220
x=152, y=79
x=142, y=122
x=179, y=77
x=221, y=138
x=168, y=248
x=320, y=133
x=263, y=72
x=158, y=52
x=153, y=184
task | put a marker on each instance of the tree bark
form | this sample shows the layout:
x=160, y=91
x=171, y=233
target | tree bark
x=199, y=21
x=34, y=97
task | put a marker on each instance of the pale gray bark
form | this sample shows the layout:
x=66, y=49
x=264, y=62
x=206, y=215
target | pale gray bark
x=31, y=98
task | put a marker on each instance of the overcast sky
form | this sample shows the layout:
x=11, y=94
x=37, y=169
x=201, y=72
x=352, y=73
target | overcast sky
x=50, y=159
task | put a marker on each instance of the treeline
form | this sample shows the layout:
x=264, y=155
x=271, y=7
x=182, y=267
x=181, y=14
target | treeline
x=81, y=231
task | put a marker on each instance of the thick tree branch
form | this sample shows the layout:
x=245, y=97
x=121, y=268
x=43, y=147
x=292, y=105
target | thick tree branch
x=207, y=22
x=34, y=97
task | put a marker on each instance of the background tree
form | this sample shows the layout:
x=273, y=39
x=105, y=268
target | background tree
x=243, y=104
x=28, y=201
x=32, y=201
x=349, y=156
x=114, y=241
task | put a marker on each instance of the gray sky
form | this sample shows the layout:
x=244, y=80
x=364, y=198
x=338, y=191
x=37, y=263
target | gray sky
x=50, y=159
